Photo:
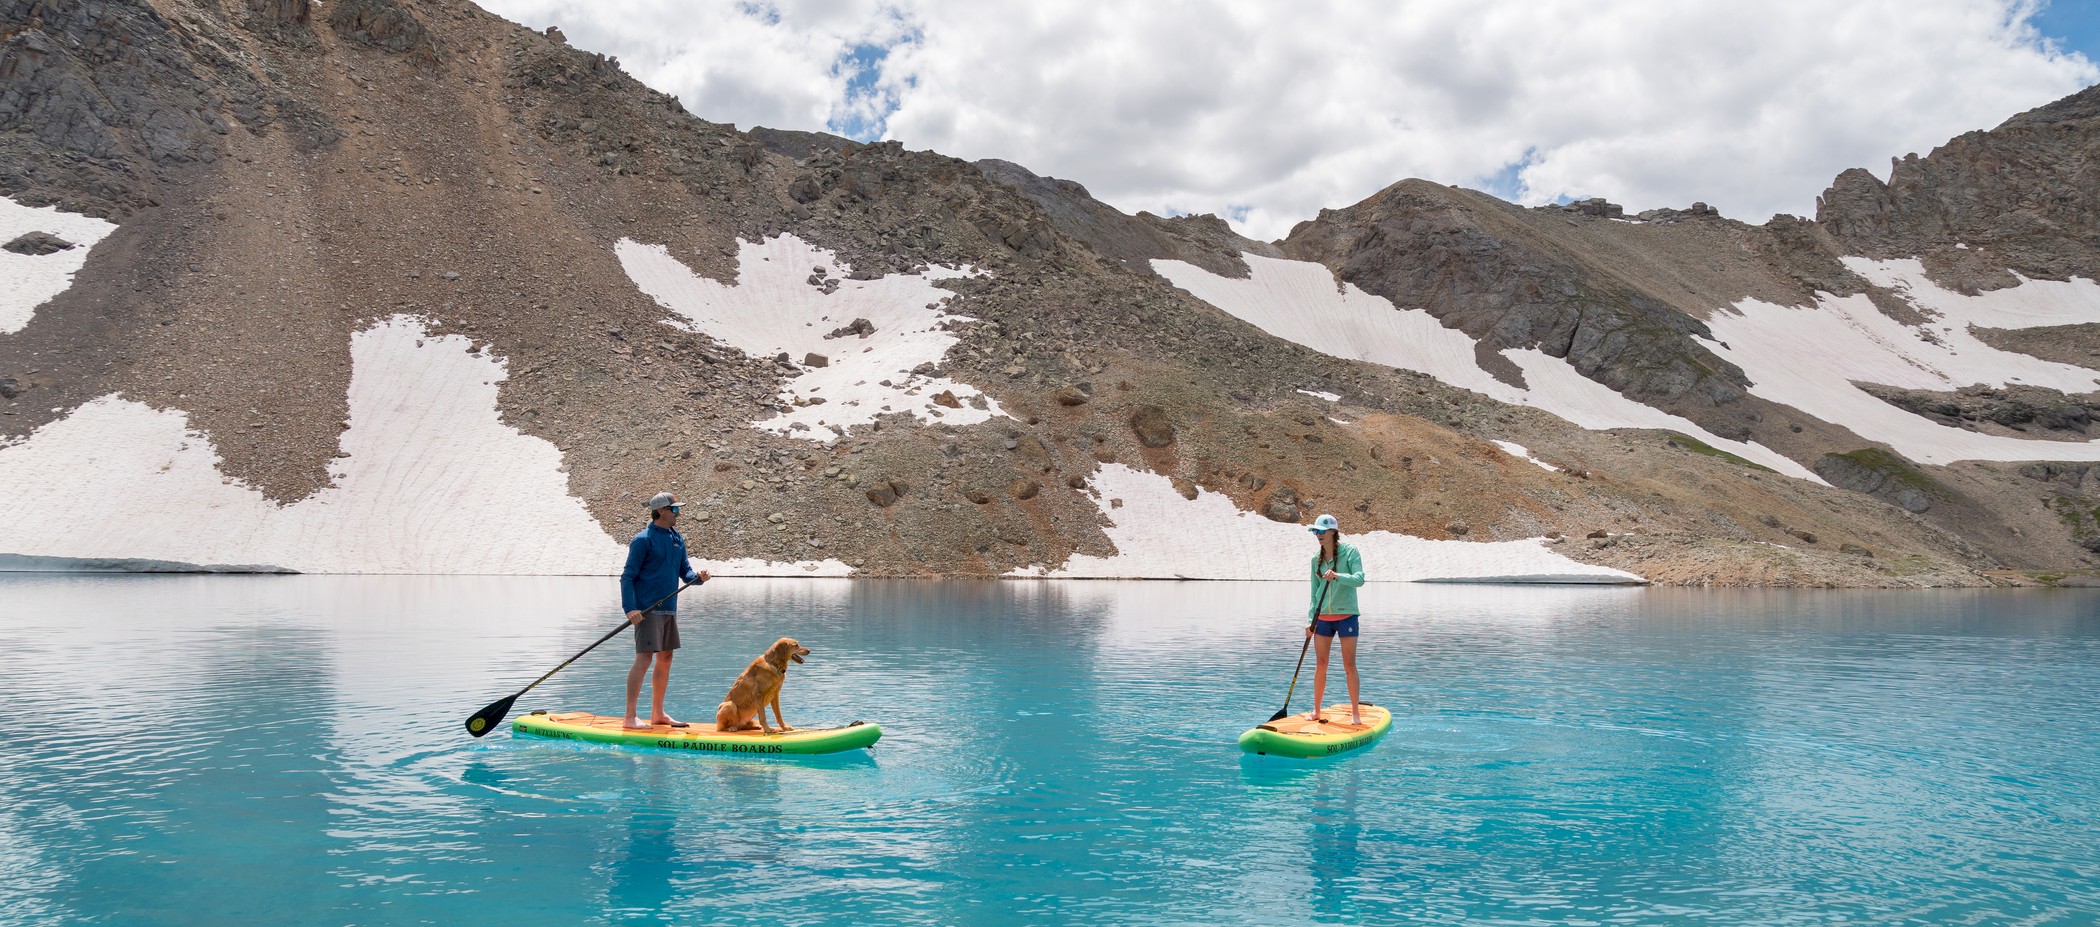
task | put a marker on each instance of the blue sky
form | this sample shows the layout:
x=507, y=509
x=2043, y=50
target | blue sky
x=2074, y=23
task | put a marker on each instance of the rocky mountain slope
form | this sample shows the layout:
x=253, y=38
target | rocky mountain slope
x=398, y=285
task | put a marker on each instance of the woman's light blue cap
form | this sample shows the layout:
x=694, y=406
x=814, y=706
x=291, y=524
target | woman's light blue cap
x=1324, y=523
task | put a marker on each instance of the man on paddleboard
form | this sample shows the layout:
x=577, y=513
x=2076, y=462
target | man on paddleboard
x=656, y=562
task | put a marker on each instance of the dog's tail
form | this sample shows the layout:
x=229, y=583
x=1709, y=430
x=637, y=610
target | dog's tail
x=725, y=716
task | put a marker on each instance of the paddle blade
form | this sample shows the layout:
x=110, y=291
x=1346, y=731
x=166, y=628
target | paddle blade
x=1278, y=716
x=486, y=719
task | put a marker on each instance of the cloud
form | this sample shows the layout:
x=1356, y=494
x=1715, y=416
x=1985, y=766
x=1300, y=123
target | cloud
x=1268, y=112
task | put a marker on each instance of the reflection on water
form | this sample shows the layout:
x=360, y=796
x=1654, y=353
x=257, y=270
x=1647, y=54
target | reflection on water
x=269, y=750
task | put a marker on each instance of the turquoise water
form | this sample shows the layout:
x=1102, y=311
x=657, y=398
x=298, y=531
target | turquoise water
x=288, y=750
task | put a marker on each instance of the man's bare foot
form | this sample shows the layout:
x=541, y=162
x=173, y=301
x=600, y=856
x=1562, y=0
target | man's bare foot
x=634, y=724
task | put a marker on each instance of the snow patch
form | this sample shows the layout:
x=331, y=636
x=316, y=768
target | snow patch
x=1160, y=535
x=773, y=308
x=434, y=482
x=1514, y=449
x=29, y=281
x=752, y=566
x=2032, y=304
x=1808, y=357
x=1302, y=301
x=1316, y=394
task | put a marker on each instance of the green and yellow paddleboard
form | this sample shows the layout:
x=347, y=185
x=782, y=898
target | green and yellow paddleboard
x=703, y=738
x=1304, y=738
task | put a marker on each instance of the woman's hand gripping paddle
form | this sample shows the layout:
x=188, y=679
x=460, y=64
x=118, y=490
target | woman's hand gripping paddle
x=486, y=719
x=1325, y=587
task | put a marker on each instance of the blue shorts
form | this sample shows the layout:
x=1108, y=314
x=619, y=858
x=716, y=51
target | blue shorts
x=1345, y=627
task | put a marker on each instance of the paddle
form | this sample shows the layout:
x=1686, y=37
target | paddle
x=487, y=718
x=1325, y=587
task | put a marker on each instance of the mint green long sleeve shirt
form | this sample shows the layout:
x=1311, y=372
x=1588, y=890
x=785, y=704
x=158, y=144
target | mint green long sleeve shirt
x=1348, y=569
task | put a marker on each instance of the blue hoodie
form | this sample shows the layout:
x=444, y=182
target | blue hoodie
x=656, y=561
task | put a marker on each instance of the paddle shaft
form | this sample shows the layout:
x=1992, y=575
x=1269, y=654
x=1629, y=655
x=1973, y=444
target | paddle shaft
x=608, y=636
x=1327, y=587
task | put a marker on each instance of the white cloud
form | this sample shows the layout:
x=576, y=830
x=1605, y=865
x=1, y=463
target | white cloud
x=1268, y=112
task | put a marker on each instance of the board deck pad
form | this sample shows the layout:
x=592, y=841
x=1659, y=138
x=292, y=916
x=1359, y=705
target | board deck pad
x=697, y=736
x=1300, y=736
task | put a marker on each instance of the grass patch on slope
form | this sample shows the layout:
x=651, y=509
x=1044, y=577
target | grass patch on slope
x=2079, y=514
x=1887, y=464
x=1700, y=447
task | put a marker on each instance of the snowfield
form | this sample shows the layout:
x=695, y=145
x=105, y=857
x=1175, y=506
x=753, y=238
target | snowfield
x=1301, y=301
x=29, y=281
x=1809, y=357
x=773, y=308
x=434, y=481
x=1159, y=535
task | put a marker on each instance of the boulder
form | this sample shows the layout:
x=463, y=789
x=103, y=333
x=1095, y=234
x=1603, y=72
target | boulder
x=1024, y=490
x=37, y=244
x=1282, y=505
x=947, y=398
x=886, y=493
x=815, y=360
x=861, y=327
x=1153, y=429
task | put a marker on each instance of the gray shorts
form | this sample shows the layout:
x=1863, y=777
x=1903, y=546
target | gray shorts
x=658, y=631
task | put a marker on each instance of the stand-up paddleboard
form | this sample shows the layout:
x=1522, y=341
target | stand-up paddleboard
x=582, y=725
x=1304, y=738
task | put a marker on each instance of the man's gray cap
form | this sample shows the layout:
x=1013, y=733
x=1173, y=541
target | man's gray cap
x=662, y=500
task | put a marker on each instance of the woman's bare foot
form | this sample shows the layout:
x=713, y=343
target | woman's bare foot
x=633, y=724
x=667, y=721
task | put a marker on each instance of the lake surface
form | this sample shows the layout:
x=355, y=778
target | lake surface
x=262, y=750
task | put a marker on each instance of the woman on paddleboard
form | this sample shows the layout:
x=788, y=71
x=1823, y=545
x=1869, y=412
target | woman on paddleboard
x=1336, y=572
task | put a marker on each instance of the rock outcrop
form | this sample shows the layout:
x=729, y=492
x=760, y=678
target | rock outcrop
x=1480, y=266
x=2021, y=198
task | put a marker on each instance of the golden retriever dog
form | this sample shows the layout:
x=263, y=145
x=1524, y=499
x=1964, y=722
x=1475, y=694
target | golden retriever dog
x=757, y=687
